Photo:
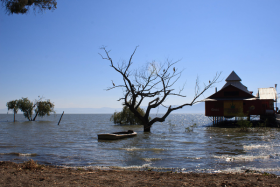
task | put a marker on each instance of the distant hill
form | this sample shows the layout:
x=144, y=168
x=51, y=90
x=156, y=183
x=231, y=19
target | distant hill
x=103, y=110
x=198, y=108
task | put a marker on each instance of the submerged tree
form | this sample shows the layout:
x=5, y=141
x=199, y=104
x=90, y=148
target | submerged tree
x=13, y=105
x=40, y=107
x=127, y=117
x=155, y=84
x=43, y=108
x=22, y=6
x=26, y=106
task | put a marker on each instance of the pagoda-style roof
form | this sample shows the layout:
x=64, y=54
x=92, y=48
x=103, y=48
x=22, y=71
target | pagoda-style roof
x=233, y=77
x=231, y=92
x=234, y=80
x=233, y=89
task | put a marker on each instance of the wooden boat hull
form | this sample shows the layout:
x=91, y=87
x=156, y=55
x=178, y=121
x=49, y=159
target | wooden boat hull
x=115, y=136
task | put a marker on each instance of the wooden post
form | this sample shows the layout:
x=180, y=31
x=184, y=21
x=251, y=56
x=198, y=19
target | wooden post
x=216, y=120
x=60, y=118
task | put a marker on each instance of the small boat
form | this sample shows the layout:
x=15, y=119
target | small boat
x=117, y=135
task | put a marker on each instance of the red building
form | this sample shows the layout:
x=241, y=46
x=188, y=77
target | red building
x=234, y=100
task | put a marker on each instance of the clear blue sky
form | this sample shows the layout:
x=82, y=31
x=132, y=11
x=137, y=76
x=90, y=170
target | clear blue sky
x=55, y=54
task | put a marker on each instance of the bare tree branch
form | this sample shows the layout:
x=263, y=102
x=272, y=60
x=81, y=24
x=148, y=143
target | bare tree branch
x=153, y=84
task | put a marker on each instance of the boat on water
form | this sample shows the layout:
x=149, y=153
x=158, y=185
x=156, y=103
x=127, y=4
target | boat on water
x=117, y=135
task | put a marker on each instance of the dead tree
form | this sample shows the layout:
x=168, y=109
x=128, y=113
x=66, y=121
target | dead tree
x=155, y=84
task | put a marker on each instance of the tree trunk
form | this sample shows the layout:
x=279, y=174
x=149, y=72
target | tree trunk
x=35, y=116
x=14, y=116
x=248, y=118
x=147, y=128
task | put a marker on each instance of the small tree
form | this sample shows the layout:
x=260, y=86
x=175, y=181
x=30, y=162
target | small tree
x=13, y=105
x=155, y=84
x=43, y=108
x=127, y=117
x=26, y=106
x=40, y=107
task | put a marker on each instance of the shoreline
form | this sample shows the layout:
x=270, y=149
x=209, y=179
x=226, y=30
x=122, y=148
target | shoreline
x=133, y=168
x=32, y=174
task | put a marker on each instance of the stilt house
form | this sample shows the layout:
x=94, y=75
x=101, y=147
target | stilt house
x=234, y=100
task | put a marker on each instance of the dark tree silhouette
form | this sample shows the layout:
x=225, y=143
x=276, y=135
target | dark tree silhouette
x=13, y=105
x=43, y=108
x=40, y=107
x=155, y=84
x=22, y=6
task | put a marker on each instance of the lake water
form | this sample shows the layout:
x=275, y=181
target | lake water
x=170, y=145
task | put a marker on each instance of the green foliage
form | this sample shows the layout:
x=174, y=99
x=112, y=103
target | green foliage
x=243, y=123
x=171, y=125
x=26, y=107
x=187, y=129
x=22, y=6
x=44, y=108
x=127, y=117
x=12, y=105
x=264, y=124
x=190, y=128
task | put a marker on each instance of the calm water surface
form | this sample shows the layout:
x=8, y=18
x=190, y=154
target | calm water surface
x=169, y=146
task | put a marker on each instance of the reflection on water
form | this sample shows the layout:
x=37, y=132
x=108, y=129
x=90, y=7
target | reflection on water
x=170, y=145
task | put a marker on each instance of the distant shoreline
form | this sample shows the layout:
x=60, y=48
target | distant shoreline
x=198, y=108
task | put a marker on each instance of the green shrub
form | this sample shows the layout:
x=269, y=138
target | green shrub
x=127, y=117
x=171, y=125
x=244, y=124
x=190, y=128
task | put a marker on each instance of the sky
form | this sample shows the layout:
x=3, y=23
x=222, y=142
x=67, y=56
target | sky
x=54, y=54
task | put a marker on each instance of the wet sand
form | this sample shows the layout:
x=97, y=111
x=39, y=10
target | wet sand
x=32, y=174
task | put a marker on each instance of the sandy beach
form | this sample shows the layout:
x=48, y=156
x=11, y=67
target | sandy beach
x=32, y=174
